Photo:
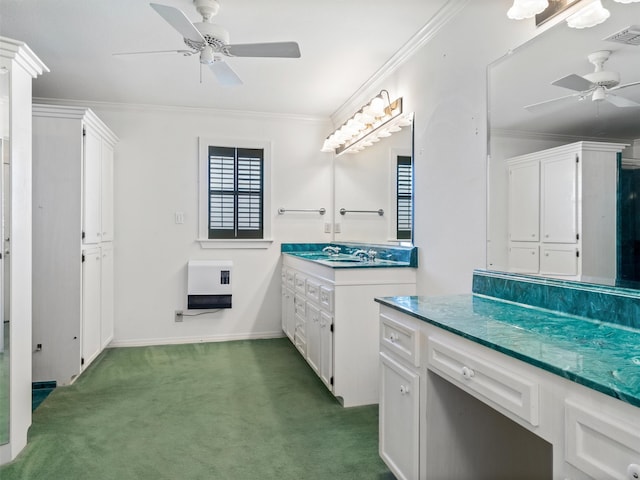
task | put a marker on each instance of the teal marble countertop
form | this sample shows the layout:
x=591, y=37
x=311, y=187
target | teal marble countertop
x=346, y=261
x=599, y=355
x=386, y=256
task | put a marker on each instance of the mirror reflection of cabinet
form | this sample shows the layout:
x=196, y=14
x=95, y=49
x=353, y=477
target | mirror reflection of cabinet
x=561, y=201
x=521, y=78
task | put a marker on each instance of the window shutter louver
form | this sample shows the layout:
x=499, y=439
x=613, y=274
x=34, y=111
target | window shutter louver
x=235, y=192
x=404, y=189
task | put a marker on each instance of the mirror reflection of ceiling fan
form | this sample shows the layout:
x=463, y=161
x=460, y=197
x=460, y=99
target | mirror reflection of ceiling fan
x=211, y=42
x=600, y=85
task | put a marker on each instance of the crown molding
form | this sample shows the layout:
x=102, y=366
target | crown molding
x=407, y=51
x=114, y=106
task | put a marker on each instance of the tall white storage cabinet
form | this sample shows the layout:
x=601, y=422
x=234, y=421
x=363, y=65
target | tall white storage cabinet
x=562, y=211
x=73, y=161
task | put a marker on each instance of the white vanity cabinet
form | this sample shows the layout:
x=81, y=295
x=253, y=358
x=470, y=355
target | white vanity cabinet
x=561, y=200
x=335, y=322
x=401, y=398
x=73, y=162
x=484, y=414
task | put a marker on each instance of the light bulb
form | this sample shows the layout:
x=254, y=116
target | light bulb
x=522, y=9
x=589, y=16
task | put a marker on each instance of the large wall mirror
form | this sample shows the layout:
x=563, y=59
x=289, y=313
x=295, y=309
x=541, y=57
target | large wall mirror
x=371, y=191
x=4, y=267
x=524, y=78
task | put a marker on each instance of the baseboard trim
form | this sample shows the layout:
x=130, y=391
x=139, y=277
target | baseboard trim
x=147, y=342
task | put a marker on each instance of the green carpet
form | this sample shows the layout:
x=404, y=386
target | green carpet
x=233, y=410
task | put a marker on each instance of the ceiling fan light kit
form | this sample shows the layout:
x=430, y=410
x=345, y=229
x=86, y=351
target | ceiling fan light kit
x=589, y=16
x=379, y=118
x=592, y=14
x=212, y=41
x=522, y=9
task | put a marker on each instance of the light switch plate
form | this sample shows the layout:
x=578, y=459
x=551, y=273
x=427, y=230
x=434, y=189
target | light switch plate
x=327, y=227
x=179, y=218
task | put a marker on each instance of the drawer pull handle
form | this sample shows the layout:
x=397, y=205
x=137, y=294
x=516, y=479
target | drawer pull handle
x=393, y=337
x=633, y=471
x=468, y=373
x=404, y=390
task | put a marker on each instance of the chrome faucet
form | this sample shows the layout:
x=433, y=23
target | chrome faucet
x=332, y=250
x=366, y=256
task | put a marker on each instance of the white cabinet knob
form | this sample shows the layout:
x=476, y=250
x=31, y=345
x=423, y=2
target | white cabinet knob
x=633, y=471
x=467, y=373
x=404, y=390
x=393, y=337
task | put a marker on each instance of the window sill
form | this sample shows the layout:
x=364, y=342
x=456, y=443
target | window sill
x=235, y=244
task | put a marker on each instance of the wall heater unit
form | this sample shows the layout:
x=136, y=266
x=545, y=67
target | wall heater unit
x=209, y=284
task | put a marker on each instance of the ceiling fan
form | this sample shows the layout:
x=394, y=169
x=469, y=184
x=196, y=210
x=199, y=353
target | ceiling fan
x=211, y=42
x=599, y=84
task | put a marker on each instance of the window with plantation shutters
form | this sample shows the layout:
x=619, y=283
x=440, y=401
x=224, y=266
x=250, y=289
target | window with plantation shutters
x=404, y=192
x=236, y=193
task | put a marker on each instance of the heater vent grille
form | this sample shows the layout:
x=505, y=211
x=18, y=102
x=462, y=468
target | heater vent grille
x=627, y=36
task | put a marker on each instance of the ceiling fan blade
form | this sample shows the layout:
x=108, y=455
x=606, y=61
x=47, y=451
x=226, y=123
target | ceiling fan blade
x=624, y=86
x=178, y=20
x=574, y=82
x=553, y=104
x=620, y=101
x=276, y=49
x=224, y=73
x=184, y=52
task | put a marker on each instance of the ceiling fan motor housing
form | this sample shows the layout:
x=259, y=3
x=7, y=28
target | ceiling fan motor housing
x=216, y=37
x=604, y=78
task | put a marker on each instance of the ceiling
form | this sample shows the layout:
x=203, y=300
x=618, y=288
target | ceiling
x=524, y=78
x=343, y=44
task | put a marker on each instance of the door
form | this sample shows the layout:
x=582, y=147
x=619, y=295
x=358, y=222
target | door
x=326, y=349
x=524, y=202
x=106, y=192
x=91, y=208
x=106, y=296
x=313, y=336
x=559, y=199
x=399, y=418
x=91, y=291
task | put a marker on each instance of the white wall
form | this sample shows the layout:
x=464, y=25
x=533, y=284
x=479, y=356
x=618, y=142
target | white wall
x=444, y=83
x=156, y=175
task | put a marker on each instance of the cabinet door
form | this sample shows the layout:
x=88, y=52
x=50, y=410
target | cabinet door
x=523, y=258
x=326, y=349
x=91, y=292
x=288, y=312
x=559, y=260
x=399, y=418
x=524, y=202
x=313, y=336
x=91, y=208
x=107, y=296
x=106, y=192
x=559, y=199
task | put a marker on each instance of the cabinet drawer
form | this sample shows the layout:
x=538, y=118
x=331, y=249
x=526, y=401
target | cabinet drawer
x=485, y=379
x=300, y=342
x=313, y=290
x=326, y=298
x=291, y=279
x=400, y=339
x=299, y=306
x=599, y=445
x=300, y=283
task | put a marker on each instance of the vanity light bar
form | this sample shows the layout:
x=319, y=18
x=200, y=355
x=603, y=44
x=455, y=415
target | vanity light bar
x=367, y=126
